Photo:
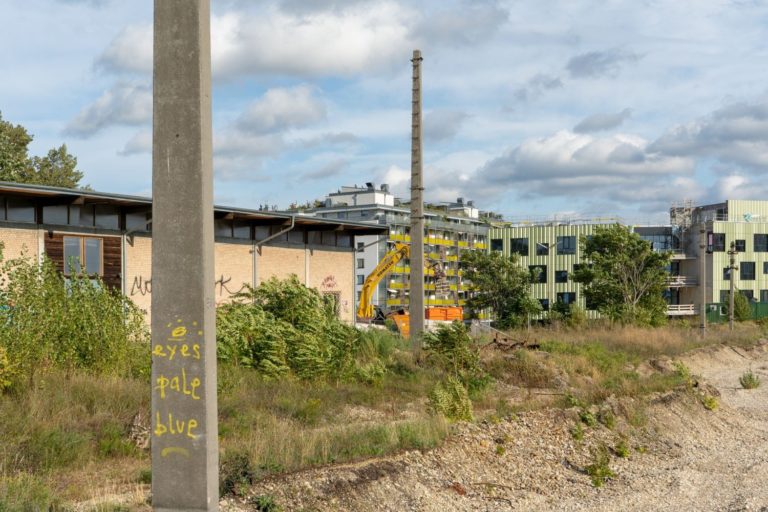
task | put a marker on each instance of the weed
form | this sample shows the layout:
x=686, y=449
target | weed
x=145, y=476
x=24, y=492
x=55, y=447
x=504, y=410
x=587, y=418
x=621, y=449
x=607, y=418
x=749, y=380
x=599, y=469
x=265, y=503
x=683, y=373
x=451, y=349
x=236, y=473
x=451, y=399
x=577, y=432
x=113, y=443
x=709, y=402
x=500, y=450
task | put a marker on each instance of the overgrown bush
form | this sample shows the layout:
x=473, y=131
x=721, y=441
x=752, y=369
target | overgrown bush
x=73, y=323
x=452, y=349
x=282, y=328
x=599, y=469
x=451, y=399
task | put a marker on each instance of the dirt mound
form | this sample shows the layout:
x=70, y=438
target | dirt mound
x=684, y=458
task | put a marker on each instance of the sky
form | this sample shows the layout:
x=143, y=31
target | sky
x=531, y=108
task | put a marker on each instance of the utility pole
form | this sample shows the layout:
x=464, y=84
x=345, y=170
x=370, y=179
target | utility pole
x=185, y=465
x=416, y=303
x=732, y=271
x=703, y=279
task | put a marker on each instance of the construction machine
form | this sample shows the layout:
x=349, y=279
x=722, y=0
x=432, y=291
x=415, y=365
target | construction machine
x=366, y=309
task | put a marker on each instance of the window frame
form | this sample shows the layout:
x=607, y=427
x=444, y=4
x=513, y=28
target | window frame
x=513, y=249
x=747, y=277
x=82, y=258
x=561, y=250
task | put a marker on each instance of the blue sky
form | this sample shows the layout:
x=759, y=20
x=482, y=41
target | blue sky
x=531, y=108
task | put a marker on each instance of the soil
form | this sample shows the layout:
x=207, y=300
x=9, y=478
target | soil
x=684, y=457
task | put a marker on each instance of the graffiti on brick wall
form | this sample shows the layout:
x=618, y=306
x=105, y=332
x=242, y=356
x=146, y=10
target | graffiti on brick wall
x=223, y=286
x=329, y=286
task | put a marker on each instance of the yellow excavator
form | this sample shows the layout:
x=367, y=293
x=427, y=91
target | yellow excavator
x=366, y=309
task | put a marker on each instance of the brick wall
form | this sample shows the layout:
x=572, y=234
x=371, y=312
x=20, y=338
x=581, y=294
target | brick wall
x=233, y=268
x=18, y=240
x=138, y=272
x=332, y=271
x=281, y=262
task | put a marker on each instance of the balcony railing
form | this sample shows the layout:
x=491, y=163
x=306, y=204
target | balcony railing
x=682, y=281
x=681, y=309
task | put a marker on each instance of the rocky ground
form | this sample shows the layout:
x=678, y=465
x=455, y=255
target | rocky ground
x=684, y=458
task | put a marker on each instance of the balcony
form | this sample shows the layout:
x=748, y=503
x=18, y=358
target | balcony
x=681, y=310
x=682, y=282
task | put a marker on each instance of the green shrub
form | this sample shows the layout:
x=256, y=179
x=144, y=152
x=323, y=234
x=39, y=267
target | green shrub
x=599, y=469
x=77, y=323
x=55, y=447
x=710, y=403
x=587, y=418
x=749, y=380
x=113, y=441
x=451, y=399
x=451, y=348
x=283, y=328
x=577, y=432
x=622, y=449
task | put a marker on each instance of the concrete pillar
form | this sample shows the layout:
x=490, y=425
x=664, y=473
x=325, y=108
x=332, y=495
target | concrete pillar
x=416, y=302
x=184, y=410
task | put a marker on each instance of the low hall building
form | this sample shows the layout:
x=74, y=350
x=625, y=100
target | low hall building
x=111, y=236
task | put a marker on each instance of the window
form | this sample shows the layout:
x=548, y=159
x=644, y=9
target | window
x=542, y=249
x=726, y=273
x=341, y=215
x=82, y=253
x=360, y=278
x=262, y=232
x=763, y=295
x=360, y=263
x=749, y=294
x=519, y=246
x=360, y=246
x=724, y=296
x=240, y=229
x=718, y=242
x=107, y=216
x=765, y=267
x=56, y=214
x=544, y=304
x=497, y=244
x=329, y=238
x=296, y=237
x=561, y=276
x=137, y=221
x=222, y=227
x=343, y=240
x=538, y=273
x=747, y=270
x=566, y=245
x=20, y=210
x=761, y=243
x=741, y=245
x=566, y=297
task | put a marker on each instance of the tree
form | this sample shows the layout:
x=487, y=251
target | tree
x=500, y=284
x=58, y=168
x=742, y=310
x=625, y=279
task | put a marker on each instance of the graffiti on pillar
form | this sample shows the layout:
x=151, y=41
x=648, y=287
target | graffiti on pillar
x=224, y=285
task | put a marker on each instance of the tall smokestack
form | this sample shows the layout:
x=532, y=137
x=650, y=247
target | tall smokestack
x=416, y=304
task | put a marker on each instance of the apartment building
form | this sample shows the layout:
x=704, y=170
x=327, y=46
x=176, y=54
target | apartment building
x=110, y=235
x=451, y=229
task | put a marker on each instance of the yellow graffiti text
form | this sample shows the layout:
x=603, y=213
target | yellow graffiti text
x=175, y=426
x=178, y=384
x=170, y=351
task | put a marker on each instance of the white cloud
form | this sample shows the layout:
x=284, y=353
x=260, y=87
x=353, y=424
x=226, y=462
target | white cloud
x=599, y=63
x=282, y=109
x=139, y=143
x=125, y=103
x=130, y=51
x=441, y=125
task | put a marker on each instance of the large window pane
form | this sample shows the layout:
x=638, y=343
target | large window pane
x=57, y=214
x=107, y=217
x=519, y=246
x=20, y=210
x=87, y=217
x=136, y=221
x=71, y=255
x=92, y=256
x=761, y=243
x=242, y=230
x=747, y=270
x=566, y=245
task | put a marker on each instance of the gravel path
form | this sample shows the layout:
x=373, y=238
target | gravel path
x=689, y=459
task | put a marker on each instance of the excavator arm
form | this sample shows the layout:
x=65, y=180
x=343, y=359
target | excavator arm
x=385, y=266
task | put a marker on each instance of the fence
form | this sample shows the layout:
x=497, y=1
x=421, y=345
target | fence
x=717, y=312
